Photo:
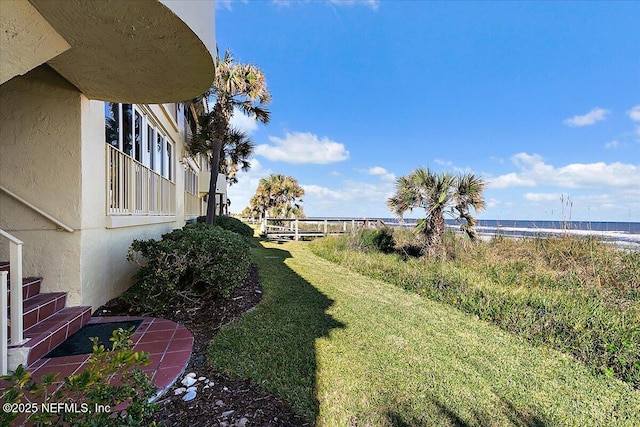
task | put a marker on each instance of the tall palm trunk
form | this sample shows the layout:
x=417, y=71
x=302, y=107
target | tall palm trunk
x=215, y=165
x=435, y=239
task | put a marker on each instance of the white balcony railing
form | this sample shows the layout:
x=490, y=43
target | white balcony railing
x=134, y=189
x=191, y=204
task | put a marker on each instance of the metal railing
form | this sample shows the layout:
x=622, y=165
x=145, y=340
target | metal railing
x=134, y=189
x=57, y=222
x=17, y=326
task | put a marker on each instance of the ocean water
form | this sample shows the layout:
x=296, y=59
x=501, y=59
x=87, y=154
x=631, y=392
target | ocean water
x=622, y=234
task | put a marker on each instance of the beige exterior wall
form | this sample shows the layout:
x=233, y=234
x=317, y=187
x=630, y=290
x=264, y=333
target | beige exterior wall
x=52, y=153
x=28, y=40
x=104, y=269
x=40, y=139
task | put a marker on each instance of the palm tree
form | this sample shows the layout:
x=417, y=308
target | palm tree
x=237, y=147
x=468, y=191
x=438, y=194
x=279, y=197
x=241, y=86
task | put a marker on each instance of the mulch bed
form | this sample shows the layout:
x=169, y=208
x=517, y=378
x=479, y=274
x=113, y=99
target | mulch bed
x=229, y=402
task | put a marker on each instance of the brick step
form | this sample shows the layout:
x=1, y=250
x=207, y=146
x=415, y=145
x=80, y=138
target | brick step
x=30, y=288
x=41, y=306
x=54, y=330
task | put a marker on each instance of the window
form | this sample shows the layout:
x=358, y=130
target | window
x=149, y=157
x=129, y=130
x=140, y=167
x=168, y=164
x=137, y=137
x=158, y=166
x=112, y=119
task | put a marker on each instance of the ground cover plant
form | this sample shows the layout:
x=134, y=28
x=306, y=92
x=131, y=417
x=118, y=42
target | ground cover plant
x=185, y=264
x=111, y=380
x=342, y=348
x=577, y=295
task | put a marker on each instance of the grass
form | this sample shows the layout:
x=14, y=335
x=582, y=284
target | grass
x=577, y=295
x=343, y=349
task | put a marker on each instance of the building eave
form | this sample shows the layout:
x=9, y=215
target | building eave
x=143, y=51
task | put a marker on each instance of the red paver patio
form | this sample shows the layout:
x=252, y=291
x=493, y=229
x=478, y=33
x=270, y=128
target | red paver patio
x=169, y=345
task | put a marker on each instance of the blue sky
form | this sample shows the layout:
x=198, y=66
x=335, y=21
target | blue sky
x=542, y=99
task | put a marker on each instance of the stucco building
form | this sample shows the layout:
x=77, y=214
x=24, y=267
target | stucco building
x=92, y=133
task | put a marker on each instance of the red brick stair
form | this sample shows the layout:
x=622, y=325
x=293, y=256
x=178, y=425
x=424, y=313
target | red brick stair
x=47, y=321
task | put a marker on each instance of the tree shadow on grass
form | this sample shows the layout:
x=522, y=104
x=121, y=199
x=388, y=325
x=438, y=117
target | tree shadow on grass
x=517, y=417
x=274, y=345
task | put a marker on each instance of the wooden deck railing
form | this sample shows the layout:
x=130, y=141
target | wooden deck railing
x=282, y=228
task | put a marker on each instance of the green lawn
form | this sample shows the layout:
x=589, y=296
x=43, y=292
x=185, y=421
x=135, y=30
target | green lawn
x=345, y=350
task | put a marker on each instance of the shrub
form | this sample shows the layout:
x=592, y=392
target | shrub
x=230, y=223
x=109, y=379
x=380, y=239
x=185, y=264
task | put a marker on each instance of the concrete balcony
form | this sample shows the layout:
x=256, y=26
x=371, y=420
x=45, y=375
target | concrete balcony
x=145, y=51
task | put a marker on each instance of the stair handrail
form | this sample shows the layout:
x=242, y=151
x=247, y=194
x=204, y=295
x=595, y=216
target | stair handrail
x=4, y=350
x=15, y=273
x=37, y=209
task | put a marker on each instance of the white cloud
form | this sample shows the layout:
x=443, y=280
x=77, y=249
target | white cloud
x=351, y=198
x=224, y=4
x=383, y=173
x=303, y=147
x=612, y=144
x=510, y=180
x=493, y=203
x=241, y=192
x=243, y=122
x=533, y=171
x=593, y=116
x=443, y=162
x=316, y=191
x=543, y=197
x=373, y=4
x=634, y=113
x=377, y=170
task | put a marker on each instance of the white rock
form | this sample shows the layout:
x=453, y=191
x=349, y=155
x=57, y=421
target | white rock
x=207, y=381
x=188, y=381
x=225, y=389
x=227, y=413
x=219, y=403
x=205, y=387
x=202, y=379
x=192, y=389
x=179, y=390
x=189, y=396
x=242, y=422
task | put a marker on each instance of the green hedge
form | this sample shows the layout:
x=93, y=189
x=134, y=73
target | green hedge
x=186, y=263
x=230, y=223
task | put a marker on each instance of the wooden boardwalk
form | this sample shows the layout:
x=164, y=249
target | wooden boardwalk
x=296, y=229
